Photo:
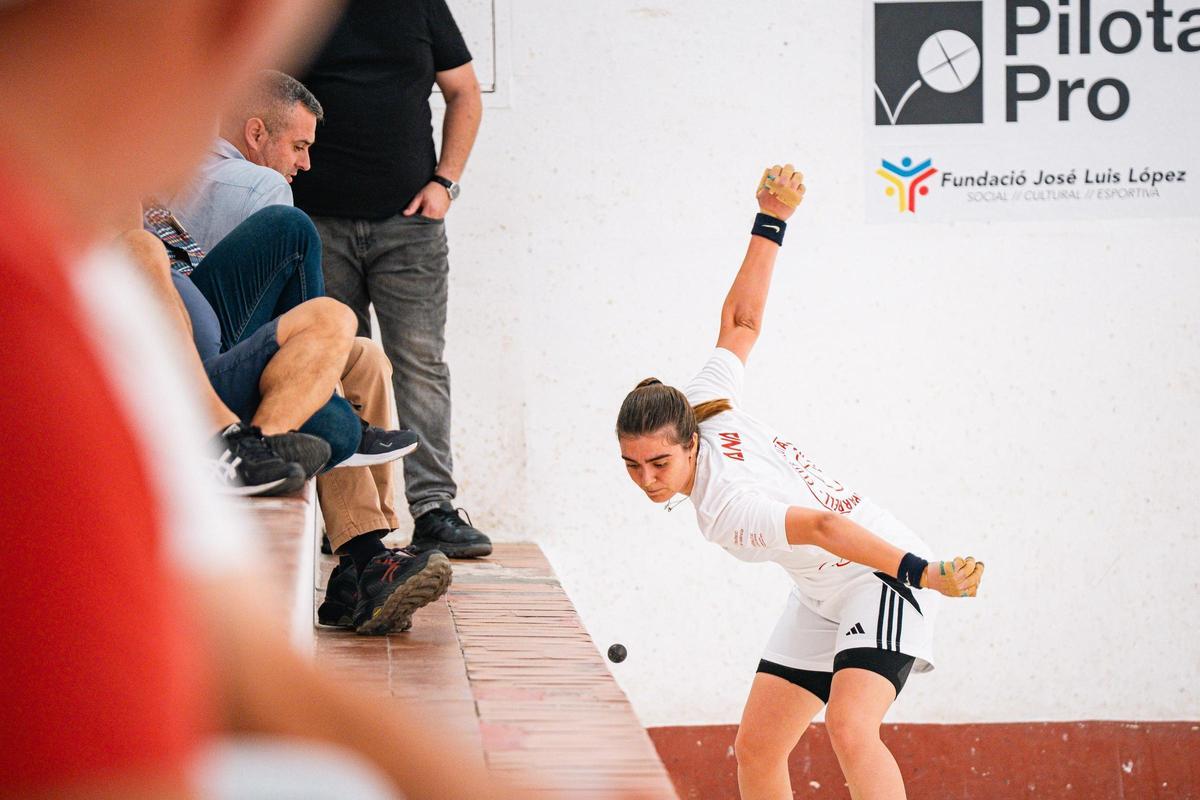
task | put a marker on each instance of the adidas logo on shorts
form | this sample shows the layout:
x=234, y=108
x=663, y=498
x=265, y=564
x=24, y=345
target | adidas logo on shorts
x=858, y=628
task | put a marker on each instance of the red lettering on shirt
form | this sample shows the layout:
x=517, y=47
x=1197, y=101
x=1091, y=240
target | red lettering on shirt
x=828, y=492
x=731, y=445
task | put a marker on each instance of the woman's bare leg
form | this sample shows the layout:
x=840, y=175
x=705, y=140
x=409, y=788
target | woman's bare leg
x=858, y=700
x=776, y=716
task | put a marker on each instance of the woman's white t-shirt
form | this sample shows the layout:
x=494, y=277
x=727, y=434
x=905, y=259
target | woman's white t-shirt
x=747, y=476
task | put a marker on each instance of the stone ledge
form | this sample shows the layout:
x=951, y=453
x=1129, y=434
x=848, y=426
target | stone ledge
x=504, y=659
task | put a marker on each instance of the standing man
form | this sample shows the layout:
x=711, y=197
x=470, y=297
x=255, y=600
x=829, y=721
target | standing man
x=379, y=194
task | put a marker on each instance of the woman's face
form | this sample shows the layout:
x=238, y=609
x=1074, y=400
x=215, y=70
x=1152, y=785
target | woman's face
x=659, y=467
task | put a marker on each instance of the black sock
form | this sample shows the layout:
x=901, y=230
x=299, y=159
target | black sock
x=362, y=548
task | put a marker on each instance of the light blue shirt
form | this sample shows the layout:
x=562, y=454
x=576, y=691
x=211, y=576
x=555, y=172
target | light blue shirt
x=227, y=189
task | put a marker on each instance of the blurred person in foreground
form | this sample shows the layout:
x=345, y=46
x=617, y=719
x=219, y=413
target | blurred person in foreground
x=130, y=635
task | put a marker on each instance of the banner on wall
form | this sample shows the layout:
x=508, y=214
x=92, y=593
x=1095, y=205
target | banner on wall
x=1031, y=109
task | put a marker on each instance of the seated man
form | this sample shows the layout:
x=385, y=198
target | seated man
x=267, y=267
x=266, y=456
x=263, y=144
x=257, y=374
x=247, y=175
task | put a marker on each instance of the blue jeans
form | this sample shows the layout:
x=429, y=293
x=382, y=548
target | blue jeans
x=401, y=266
x=265, y=267
x=235, y=373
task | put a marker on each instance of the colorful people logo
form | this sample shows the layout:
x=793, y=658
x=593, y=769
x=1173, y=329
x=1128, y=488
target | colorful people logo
x=905, y=181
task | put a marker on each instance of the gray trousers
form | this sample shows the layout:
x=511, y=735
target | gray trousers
x=400, y=266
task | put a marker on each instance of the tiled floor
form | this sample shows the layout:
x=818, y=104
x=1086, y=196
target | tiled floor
x=504, y=660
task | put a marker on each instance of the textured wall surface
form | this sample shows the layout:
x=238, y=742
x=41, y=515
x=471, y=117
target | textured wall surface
x=1027, y=393
x=988, y=761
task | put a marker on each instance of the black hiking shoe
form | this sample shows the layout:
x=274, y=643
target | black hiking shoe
x=444, y=528
x=396, y=583
x=379, y=446
x=248, y=466
x=310, y=452
x=341, y=596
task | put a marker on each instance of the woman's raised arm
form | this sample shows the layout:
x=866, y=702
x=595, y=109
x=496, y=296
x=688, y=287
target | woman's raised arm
x=741, y=316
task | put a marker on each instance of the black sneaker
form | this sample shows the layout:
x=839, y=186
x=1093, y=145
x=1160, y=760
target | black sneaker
x=396, y=583
x=310, y=452
x=444, y=528
x=248, y=466
x=379, y=446
x=341, y=596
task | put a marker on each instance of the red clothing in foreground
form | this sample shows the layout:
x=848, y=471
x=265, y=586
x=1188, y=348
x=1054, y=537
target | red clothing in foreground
x=101, y=673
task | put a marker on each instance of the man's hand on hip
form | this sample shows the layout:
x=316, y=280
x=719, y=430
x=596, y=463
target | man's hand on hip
x=433, y=201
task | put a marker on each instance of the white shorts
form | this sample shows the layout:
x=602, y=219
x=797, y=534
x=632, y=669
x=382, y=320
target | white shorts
x=867, y=613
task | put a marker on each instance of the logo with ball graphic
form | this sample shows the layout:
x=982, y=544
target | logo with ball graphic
x=928, y=58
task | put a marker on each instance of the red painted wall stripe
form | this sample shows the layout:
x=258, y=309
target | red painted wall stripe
x=994, y=761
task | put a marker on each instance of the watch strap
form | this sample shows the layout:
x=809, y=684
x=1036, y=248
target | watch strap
x=450, y=186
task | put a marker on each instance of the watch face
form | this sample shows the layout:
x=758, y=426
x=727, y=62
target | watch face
x=450, y=186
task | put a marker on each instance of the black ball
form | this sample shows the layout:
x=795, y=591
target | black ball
x=617, y=653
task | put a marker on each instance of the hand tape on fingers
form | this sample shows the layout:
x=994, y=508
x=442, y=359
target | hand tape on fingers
x=976, y=578
x=968, y=586
x=782, y=192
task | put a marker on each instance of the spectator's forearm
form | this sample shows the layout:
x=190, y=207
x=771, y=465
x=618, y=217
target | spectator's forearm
x=464, y=110
x=264, y=687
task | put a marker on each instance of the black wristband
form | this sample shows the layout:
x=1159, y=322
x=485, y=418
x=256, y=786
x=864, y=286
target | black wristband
x=769, y=227
x=911, y=569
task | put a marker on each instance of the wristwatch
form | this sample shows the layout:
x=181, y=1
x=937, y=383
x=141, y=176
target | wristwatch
x=452, y=188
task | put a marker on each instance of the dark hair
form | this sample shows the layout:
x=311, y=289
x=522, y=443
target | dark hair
x=275, y=95
x=652, y=406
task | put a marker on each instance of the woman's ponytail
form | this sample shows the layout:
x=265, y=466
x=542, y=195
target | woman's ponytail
x=653, y=406
x=710, y=408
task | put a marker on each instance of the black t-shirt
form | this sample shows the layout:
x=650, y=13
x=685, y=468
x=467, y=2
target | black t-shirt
x=375, y=149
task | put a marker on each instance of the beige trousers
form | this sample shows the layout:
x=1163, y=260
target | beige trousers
x=355, y=500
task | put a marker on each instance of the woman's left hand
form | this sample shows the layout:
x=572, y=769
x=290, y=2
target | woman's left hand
x=957, y=578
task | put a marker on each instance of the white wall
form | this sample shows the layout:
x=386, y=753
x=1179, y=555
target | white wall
x=1026, y=393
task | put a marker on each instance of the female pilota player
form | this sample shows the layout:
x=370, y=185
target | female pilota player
x=861, y=614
